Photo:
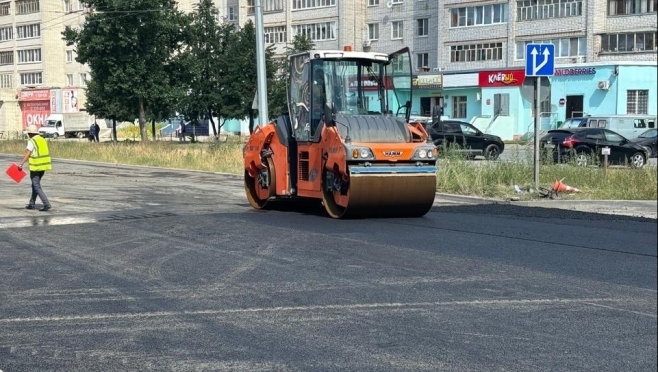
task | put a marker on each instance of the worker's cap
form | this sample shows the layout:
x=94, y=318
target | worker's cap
x=32, y=129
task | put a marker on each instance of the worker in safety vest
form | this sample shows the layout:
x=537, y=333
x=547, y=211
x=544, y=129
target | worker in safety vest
x=39, y=159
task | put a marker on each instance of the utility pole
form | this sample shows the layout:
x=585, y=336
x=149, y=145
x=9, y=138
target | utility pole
x=260, y=65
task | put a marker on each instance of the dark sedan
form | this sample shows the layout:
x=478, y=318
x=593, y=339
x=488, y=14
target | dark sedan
x=648, y=141
x=471, y=141
x=581, y=144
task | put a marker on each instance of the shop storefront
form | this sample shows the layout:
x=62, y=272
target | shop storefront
x=35, y=106
x=502, y=102
x=427, y=91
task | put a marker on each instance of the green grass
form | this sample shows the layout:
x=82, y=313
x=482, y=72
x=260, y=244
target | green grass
x=217, y=156
x=494, y=179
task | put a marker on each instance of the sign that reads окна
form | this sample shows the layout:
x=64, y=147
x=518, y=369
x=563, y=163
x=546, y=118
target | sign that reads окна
x=575, y=71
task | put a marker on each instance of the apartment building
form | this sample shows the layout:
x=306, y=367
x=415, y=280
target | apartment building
x=468, y=54
x=605, y=60
x=38, y=73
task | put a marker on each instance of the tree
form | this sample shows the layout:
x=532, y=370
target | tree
x=130, y=47
x=206, y=59
x=278, y=87
x=241, y=88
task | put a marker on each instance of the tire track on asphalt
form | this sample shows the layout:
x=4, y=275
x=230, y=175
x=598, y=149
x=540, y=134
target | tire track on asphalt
x=482, y=233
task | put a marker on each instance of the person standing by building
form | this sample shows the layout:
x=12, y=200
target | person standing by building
x=92, y=133
x=97, y=131
x=39, y=159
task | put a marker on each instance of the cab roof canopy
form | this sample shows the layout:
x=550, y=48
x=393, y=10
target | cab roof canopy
x=342, y=54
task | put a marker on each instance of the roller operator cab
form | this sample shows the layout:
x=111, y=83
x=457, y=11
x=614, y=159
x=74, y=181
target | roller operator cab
x=346, y=139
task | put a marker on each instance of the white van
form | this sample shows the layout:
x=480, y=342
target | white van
x=629, y=126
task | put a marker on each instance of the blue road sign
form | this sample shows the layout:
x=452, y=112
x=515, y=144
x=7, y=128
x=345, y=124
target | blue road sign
x=539, y=60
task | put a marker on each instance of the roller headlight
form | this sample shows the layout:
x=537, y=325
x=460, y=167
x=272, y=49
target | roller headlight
x=361, y=153
x=424, y=153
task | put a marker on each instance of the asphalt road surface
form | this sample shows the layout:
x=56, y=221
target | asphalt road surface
x=137, y=269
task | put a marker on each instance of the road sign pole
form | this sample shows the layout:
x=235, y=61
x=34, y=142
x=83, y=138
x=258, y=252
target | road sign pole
x=539, y=61
x=537, y=125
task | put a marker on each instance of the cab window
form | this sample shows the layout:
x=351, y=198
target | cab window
x=603, y=123
x=640, y=123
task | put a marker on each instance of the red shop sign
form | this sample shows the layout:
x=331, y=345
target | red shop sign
x=35, y=112
x=503, y=78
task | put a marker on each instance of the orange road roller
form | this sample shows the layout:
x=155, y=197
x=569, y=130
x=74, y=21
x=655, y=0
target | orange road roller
x=345, y=139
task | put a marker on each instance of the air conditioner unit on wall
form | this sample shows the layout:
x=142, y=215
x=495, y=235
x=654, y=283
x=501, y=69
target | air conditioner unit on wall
x=604, y=85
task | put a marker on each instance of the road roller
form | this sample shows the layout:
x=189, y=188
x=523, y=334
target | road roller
x=345, y=139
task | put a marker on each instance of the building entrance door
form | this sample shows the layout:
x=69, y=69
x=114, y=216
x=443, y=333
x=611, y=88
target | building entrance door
x=574, y=107
x=425, y=106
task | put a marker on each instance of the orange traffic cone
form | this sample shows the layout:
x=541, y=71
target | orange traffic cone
x=560, y=186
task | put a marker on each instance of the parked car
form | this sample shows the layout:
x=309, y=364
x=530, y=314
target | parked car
x=585, y=143
x=628, y=126
x=470, y=139
x=648, y=141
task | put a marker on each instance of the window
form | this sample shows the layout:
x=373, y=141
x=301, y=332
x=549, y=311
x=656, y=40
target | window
x=6, y=58
x=459, y=107
x=639, y=123
x=476, y=52
x=69, y=56
x=316, y=31
x=637, y=102
x=628, y=42
x=272, y=5
x=28, y=31
x=478, y=15
x=232, y=13
x=422, y=28
x=307, y=4
x=29, y=55
x=531, y=10
x=69, y=80
x=373, y=2
x=612, y=136
x=564, y=47
x=27, y=6
x=397, y=29
x=83, y=80
x=501, y=104
x=625, y=7
x=373, y=31
x=7, y=81
x=423, y=61
x=68, y=7
x=5, y=9
x=31, y=78
x=6, y=33
x=276, y=34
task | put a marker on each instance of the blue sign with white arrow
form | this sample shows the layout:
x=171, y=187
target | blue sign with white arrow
x=539, y=60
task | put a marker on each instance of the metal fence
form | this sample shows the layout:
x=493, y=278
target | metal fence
x=12, y=135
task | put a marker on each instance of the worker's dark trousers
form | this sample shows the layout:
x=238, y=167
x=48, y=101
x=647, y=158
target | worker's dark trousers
x=36, y=188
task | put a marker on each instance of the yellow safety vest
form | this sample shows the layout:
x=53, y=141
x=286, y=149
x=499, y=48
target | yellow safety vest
x=40, y=157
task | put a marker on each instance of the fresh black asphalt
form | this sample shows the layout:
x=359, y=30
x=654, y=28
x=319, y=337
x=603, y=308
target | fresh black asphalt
x=137, y=269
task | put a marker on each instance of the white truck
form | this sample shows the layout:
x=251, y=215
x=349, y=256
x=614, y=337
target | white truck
x=67, y=125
